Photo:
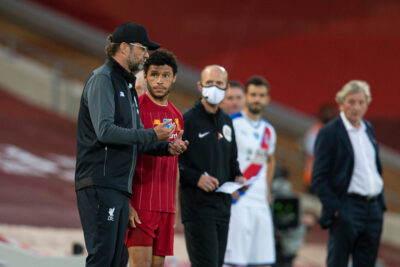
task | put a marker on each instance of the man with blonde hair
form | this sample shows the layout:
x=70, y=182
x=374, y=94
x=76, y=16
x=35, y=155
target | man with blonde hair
x=347, y=176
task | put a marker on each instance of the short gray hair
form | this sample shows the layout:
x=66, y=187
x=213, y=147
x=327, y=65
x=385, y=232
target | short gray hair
x=354, y=86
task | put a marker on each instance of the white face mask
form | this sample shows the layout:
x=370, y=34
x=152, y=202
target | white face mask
x=212, y=94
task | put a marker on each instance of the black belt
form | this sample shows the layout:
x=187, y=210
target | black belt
x=363, y=198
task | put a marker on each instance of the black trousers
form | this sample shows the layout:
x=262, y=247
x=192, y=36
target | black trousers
x=206, y=242
x=357, y=232
x=104, y=216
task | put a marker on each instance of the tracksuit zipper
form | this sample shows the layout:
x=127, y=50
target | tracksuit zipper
x=105, y=160
x=133, y=151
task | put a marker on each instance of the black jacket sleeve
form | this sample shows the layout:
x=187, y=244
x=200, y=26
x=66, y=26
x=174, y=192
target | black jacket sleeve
x=188, y=175
x=234, y=164
x=155, y=149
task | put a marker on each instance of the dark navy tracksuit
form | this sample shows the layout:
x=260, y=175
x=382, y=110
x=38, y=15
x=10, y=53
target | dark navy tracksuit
x=109, y=135
x=205, y=215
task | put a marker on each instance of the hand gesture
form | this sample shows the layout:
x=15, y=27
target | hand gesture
x=133, y=217
x=178, y=146
x=236, y=195
x=207, y=183
x=163, y=133
x=241, y=180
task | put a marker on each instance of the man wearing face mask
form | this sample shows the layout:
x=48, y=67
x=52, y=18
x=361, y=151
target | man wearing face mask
x=209, y=161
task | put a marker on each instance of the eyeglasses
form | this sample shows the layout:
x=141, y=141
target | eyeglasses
x=144, y=48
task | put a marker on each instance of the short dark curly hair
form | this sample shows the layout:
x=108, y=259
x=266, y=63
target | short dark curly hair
x=161, y=57
x=257, y=81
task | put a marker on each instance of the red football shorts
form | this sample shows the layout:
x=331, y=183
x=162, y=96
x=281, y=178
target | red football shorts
x=156, y=230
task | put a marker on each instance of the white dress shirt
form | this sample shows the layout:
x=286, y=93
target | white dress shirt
x=366, y=179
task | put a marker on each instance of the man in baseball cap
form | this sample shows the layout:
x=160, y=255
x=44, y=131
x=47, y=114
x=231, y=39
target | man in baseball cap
x=130, y=32
x=109, y=135
x=135, y=36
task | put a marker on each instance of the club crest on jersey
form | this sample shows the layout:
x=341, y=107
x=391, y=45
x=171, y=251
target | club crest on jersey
x=227, y=131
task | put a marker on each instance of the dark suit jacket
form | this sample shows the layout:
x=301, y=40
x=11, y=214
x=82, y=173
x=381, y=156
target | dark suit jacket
x=333, y=167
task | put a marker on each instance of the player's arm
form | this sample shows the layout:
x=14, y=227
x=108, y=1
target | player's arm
x=271, y=162
x=188, y=175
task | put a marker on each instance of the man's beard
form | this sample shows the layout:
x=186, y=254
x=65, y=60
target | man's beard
x=135, y=65
x=150, y=89
x=255, y=109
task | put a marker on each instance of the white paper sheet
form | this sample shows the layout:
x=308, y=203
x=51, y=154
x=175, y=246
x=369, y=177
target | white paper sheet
x=230, y=187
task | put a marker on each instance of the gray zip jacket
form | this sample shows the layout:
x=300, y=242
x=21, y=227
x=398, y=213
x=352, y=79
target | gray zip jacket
x=109, y=132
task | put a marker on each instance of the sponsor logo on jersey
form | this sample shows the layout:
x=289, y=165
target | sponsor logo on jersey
x=178, y=126
x=202, y=135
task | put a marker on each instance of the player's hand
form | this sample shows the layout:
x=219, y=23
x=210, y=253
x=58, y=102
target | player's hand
x=163, y=133
x=207, y=183
x=242, y=180
x=235, y=195
x=133, y=217
x=178, y=146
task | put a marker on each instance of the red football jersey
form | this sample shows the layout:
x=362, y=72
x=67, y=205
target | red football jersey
x=154, y=183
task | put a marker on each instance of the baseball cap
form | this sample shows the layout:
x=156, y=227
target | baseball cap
x=130, y=32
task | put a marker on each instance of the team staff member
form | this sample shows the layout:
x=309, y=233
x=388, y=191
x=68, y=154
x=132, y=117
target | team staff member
x=347, y=176
x=154, y=183
x=234, y=100
x=108, y=136
x=211, y=160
